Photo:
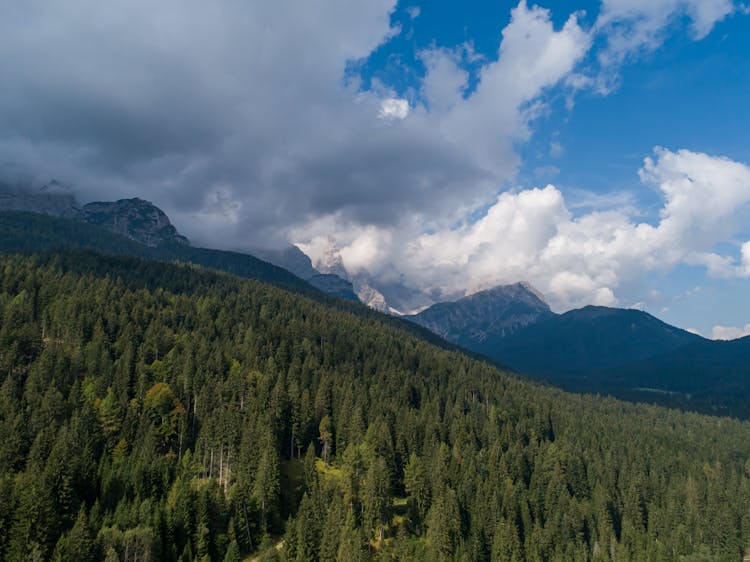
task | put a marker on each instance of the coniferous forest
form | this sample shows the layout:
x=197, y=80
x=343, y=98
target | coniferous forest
x=156, y=411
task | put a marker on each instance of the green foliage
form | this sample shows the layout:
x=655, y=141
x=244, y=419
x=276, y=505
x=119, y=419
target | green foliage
x=150, y=410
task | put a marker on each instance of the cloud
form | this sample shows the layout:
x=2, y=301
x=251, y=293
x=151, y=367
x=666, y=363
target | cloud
x=237, y=118
x=394, y=108
x=634, y=27
x=245, y=122
x=729, y=332
x=598, y=257
x=244, y=110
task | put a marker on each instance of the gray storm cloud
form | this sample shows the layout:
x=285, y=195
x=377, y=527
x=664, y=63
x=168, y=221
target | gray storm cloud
x=236, y=116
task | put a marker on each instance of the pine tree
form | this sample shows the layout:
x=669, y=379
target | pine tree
x=376, y=497
x=444, y=525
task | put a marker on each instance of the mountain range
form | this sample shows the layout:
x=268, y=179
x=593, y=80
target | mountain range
x=146, y=224
x=624, y=352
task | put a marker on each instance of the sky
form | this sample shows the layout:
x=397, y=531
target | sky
x=596, y=149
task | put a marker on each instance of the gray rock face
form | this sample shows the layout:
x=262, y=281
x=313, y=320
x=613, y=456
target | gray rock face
x=136, y=219
x=295, y=260
x=495, y=313
x=369, y=295
x=52, y=199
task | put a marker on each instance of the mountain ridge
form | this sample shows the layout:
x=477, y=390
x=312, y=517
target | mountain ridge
x=499, y=312
x=628, y=353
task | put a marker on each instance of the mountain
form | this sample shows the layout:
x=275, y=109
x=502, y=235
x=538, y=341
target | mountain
x=136, y=219
x=586, y=342
x=295, y=260
x=333, y=285
x=623, y=352
x=163, y=411
x=143, y=222
x=713, y=374
x=386, y=293
x=290, y=258
x=485, y=316
x=33, y=232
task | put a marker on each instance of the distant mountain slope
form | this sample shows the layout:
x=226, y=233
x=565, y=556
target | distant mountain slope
x=136, y=219
x=713, y=374
x=143, y=222
x=31, y=232
x=627, y=353
x=632, y=355
x=485, y=316
x=51, y=199
x=587, y=342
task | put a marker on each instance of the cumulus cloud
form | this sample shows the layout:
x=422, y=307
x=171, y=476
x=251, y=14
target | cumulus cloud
x=729, y=332
x=594, y=258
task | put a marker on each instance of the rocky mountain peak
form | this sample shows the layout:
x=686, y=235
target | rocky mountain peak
x=136, y=219
x=496, y=312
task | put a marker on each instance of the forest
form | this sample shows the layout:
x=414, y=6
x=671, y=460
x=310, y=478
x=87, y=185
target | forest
x=159, y=411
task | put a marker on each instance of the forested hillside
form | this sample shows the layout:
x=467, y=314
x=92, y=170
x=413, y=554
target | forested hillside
x=32, y=232
x=152, y=411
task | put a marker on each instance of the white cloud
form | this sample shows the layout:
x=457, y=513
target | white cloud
x=729, y=332
x=556, y=150
x=393, y=108
x=595, y=258
x=634, y=27
x=414, y=12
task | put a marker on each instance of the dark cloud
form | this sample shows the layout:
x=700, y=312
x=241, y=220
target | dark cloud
x=232, y=115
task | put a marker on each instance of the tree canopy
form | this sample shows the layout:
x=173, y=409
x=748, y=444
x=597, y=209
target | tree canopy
x=152, y=411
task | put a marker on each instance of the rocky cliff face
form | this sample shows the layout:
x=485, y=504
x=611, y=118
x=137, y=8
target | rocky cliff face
x=295, y=260
x=495, y=313
x=136, y=219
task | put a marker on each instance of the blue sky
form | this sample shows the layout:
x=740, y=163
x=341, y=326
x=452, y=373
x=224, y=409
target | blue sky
x=597, y=149
x=685, y=94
